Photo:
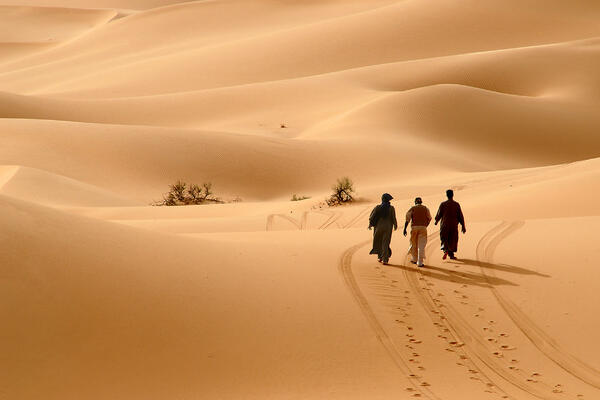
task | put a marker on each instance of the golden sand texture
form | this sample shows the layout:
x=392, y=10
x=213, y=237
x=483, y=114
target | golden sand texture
x=105, y=103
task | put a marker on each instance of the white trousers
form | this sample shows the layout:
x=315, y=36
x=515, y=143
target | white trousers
x=418, y=240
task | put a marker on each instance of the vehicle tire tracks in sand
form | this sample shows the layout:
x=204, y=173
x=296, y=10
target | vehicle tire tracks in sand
x=345, y=268
x=540, y=339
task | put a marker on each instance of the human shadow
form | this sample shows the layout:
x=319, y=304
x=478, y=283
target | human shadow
x=460, y=277
x=499, y=267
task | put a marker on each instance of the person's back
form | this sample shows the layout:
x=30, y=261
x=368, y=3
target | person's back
x=450, y=214
x=419, y=217
x=383, y=219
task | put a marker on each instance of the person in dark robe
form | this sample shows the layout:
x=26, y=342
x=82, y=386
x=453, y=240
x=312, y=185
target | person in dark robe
x=383, y=219
x=451, y=215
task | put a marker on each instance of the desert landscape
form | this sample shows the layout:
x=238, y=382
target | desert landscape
x=105, y=103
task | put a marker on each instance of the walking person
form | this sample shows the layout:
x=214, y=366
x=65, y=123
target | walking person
x=419, y=218
x=451, y=215
x=383, y=219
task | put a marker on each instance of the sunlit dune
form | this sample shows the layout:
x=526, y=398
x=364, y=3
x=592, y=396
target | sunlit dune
x=264, y=291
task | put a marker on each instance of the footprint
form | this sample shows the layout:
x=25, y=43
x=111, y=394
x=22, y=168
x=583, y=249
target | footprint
x=536, y=374
x=504, y=334
x=531, y=380
x=507, y=347
x=557, y=389
x=498, y=354
x=425, y=384
x=491, y=339
x=420, y=368
x=413, y=376
x=450, y=350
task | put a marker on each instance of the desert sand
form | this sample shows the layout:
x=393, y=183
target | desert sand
x=105, y=103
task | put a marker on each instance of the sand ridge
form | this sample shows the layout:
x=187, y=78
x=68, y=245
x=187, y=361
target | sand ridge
x=104, y=104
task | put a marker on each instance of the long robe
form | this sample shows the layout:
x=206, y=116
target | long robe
x=384, y=222
x=451, y=215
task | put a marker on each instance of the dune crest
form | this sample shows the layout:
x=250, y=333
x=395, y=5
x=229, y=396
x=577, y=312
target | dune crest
x=271, y=293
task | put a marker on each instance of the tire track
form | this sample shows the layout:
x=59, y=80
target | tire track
x=357, y=217
x=271, y=218
x=451, y=323
x=464, y=332
x=345, y=268
x=540, y=339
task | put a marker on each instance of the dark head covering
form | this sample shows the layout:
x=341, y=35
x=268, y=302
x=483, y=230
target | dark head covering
x=450, y=193
x=418, y=200
x=386, y=197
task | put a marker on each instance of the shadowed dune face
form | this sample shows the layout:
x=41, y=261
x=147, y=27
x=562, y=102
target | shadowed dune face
x=104, y=104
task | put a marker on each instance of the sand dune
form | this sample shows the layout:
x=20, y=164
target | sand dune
x=104, y=104
x=53, y=190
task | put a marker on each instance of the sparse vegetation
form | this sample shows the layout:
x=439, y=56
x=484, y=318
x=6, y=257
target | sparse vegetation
x=343, y=191
x=182, y=194
x=295, y=197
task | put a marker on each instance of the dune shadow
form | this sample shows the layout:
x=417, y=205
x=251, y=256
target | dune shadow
x=460, y=277
x=500, y=267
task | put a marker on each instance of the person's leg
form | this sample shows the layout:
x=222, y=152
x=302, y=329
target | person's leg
x=444, y=240
x=385, y=246
x=453, y=243
x=414, y=245
x=422, y=242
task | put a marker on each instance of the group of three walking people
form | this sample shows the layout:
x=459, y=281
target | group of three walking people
x=383, y=219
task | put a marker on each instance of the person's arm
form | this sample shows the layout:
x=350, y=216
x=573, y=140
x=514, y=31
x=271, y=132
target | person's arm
x=428, y=216
x=372, y=217
x=461, y=219
x=394, y=221
x=439, y=214
x=408, y=218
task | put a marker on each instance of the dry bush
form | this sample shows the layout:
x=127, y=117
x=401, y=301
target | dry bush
x=295, y=197
x=182, y=194
x=342, y=192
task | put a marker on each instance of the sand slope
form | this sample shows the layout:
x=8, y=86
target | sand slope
x=103, y=104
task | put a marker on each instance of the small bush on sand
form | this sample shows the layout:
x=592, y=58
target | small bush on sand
x=295, y=197
x=182, y=194
x=342, y=192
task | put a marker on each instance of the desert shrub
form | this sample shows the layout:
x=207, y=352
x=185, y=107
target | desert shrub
x=342, y=192
x=295, y=197
x=182, y=194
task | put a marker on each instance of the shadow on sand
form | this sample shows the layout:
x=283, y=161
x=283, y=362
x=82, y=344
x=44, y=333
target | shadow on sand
x=468, y=277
